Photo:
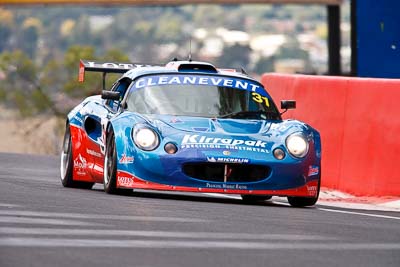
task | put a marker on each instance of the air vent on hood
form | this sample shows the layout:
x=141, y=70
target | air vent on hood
x=195, y=67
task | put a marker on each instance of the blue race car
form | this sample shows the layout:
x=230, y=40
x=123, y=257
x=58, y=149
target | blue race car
x=188, y=126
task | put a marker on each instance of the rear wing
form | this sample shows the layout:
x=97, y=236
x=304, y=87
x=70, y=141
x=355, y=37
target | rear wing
x=116, y=67
x=106, y=67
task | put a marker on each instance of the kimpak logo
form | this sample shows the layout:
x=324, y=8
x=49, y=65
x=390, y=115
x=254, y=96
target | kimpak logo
x=197, y=139
x=202, y=141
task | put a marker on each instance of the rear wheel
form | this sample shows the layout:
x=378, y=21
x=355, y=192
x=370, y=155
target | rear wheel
x=67, y=165
x=255, y=198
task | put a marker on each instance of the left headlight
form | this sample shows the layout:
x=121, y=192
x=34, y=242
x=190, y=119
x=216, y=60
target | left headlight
x=145, y=138
x=297, y=145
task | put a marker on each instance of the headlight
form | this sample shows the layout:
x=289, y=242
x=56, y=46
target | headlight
x=297, y=145
x=145, y=138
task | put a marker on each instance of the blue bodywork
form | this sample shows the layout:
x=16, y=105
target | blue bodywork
x=159, y=167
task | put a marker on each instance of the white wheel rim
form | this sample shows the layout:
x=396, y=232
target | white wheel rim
x=105, y=176
x=65, y=157
x=109, y=162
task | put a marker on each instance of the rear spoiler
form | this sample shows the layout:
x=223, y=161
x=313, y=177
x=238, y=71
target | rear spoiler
x=106, y=67
x=116, y=67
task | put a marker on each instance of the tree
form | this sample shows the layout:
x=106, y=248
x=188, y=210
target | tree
x=93, y=81
x=71, y=63
x=265, y=64
x=292, y=50
x=34, y=89
x=235, y=56
x=22, y=88
x=29, y=37
x=6, y=25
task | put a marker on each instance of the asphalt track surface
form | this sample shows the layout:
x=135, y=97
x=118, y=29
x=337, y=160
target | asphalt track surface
x=44, y=224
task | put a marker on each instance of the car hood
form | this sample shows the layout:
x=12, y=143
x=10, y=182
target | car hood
x=209, y=136
x=170, y=125
x=209, y=125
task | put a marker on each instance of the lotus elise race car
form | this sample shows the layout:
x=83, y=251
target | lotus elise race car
x=188, y=126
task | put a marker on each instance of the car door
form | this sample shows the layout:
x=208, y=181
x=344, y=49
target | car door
x=102, y=113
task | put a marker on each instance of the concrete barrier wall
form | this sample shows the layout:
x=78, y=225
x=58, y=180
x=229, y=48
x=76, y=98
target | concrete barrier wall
x=359, y=122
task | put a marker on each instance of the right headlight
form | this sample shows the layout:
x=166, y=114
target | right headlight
x=297, y=145
x=145, y=138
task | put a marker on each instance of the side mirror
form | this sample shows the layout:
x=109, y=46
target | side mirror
x=111, y=95
x=288, y=104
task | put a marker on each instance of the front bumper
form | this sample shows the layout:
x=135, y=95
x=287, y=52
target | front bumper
x=288, y=177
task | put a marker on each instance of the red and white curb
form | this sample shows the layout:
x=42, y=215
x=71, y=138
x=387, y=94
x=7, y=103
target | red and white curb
x=336, y=198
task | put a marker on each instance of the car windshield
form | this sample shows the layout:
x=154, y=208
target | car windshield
x=201, y=96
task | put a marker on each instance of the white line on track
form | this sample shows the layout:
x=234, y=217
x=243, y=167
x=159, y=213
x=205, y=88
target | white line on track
x=361, y=206
x=361, y=214
x=23, y=220
x=163, y=244
x=8, y=205
x=95, y=216
x=159, y=234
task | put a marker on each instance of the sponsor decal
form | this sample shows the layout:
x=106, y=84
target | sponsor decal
x=228, y=160
x=125, y=159
x=197, y=80
x=176, y=120
x=313, y=170
x=93, y=153
x=226, y=152
x=81, y=74
x=312, y=190
x=111, y=65
x=125, y=181
x=201, y=141
x=200, y=129
x=227, y=186
x=80, y=165
x=279, y=127
x=78, y=119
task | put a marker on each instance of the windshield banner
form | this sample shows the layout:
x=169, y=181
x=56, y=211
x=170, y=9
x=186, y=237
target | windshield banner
x=230, y=82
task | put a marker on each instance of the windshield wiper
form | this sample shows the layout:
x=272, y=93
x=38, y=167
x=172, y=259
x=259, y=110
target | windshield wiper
x=251, y=114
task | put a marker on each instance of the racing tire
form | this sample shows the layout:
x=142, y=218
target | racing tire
x=110, y=168
x=300, y=202
x=67, y=164
x=255, y=198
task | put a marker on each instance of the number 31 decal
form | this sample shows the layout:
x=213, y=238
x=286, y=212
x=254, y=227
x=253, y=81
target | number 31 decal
x=260, y=99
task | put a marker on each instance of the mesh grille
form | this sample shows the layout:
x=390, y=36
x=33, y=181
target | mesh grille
x=215, y=172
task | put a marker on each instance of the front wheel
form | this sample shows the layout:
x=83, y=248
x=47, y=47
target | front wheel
x=67, y=165
x=305, y=201
x=302, y=201
x=110, y=168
